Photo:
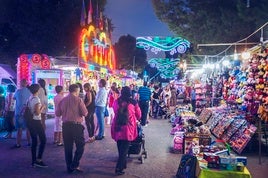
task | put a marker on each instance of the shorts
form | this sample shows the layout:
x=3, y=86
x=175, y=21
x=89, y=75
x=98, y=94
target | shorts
x=20, y=122
x=58, y=124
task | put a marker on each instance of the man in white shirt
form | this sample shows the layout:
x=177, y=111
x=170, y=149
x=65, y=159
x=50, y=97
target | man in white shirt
x=101, y=102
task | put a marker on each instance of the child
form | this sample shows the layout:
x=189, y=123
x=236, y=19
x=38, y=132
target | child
x=58, y=120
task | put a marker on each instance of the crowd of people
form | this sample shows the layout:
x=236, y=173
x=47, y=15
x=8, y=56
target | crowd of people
x=121, y=107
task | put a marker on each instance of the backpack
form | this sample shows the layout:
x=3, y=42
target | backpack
x=187, y=167
x=27, y=113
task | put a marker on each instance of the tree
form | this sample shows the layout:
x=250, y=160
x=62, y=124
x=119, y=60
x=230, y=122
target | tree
x=41, y=26
x=212, y=21
x=128, y=56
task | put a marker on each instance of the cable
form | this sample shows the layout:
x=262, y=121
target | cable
x=242, y=39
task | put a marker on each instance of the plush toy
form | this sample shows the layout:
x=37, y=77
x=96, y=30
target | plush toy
x=250, y=79
x=258, y=95
x=254, y=64
x=263, y=111
x=249, y=94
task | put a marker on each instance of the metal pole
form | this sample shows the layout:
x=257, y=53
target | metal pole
x=259, y=138
x=226, y=44
x=134, y=58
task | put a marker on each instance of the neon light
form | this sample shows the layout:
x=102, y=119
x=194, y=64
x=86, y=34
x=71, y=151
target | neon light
x=95, y=47
x=27, y=64
x=168, y=68
x=157, y=44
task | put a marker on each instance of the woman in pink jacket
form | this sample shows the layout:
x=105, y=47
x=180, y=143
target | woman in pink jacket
x=124, y=126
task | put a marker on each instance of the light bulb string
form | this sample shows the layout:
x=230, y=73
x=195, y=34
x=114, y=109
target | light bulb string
x=245, y=39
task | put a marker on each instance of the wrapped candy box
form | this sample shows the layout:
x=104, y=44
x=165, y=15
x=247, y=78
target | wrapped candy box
x=213, y=160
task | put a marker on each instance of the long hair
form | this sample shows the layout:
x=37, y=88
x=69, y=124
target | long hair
x=42, y=84
x=123, y=101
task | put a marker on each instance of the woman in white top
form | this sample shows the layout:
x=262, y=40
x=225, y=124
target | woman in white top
x=42, y=94
x=35, y=127
x=166, y=95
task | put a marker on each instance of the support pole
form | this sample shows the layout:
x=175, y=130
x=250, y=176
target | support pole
x=259, y=138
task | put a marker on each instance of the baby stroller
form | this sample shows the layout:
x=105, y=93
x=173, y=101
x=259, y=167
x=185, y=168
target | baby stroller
x=163, y=110
x=137, y=146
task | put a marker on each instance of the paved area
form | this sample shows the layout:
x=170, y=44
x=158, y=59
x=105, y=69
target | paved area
x=100, y=157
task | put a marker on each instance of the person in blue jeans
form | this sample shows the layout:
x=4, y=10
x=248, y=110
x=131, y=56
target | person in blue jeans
x=100, y=103
x=144, y=93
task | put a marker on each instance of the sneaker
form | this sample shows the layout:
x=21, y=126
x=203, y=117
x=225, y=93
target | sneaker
x=60, y=144
x=78, y=170
x=99, y=138
x=16, y=146
x=40, y=164
x=90, y=140
x=119, y=172
x=74, y=170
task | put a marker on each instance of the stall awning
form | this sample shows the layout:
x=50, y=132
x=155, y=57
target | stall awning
x=6, y=71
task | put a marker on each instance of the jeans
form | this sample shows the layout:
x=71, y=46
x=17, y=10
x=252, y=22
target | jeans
x=155, y=108
x=144, y=105
x=122, y=146
x=36, y=130
x=193, y=103
x=100, y=117
x=73, y=133
x=90, y=123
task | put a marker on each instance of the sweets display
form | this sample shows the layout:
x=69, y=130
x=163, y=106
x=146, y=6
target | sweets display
x=240, y=139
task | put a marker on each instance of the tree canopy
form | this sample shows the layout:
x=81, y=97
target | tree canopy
x=128, y=56
x=41, y=26
x=212, y=21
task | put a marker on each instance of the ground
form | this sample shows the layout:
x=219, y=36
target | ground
x=100, y=157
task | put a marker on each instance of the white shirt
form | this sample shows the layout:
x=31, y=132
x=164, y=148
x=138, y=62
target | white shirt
x=43, y=99
x=33, y=100
x=101, y=97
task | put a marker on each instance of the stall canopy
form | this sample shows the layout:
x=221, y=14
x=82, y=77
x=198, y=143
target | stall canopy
x=6, y=71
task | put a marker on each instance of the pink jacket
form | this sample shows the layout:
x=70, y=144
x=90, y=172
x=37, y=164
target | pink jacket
x=127, y=132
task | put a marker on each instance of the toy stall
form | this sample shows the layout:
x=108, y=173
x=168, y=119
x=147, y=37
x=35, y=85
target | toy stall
x=216, y=138
x=219, y=135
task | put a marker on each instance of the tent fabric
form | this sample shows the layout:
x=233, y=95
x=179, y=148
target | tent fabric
x=6, y=71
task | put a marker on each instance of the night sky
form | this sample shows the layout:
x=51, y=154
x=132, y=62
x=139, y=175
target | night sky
x=134, y=17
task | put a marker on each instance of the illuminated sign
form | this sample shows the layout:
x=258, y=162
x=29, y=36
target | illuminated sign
x=28, y=62
x=157, y=44
x=95, y=47
x=168, y=68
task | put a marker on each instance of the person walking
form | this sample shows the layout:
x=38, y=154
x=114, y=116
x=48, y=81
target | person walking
x=155, y=102
x=166, y=95
x=193, y=99
x=10, y=110
x=21, y=96
x=173, y=98
x=112, y=96
x=36, y=128
x=144, y=93
x=124, y=126
x=81, y=93
x=73, y=110
x=58, y=120
x=100, y=102
x=42, y=94
x=90, y=105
